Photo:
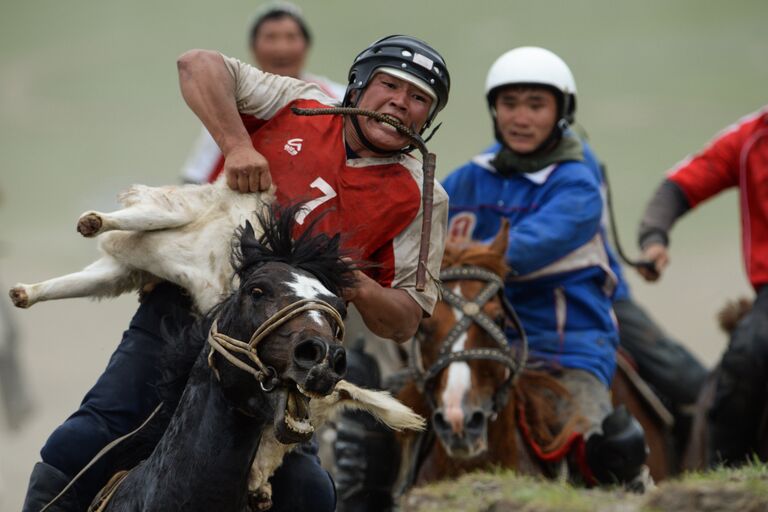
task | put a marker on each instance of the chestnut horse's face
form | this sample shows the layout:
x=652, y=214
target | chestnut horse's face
x=463, y=393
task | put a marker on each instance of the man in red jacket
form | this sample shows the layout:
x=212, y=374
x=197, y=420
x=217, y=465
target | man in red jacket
x=737, y=157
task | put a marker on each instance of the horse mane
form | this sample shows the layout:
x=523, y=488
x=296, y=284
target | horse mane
x=317, y=253
x=540, y=398
x=475, y=254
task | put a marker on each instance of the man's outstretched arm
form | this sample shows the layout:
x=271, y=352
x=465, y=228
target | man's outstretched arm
x=209, y=89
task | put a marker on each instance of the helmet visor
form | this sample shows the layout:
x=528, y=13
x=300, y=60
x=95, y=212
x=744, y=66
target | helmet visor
x=414, y=80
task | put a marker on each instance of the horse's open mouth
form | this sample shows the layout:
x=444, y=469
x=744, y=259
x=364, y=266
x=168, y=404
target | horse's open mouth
x=292, y=423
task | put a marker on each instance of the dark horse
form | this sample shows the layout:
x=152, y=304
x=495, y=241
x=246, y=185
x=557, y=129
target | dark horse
x=287, y=304
x=486, y=408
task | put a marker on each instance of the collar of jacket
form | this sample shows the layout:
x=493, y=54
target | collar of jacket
x=507, y=162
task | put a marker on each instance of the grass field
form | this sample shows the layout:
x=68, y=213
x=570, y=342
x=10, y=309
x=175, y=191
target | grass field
x=722, y=490
x=89, y=104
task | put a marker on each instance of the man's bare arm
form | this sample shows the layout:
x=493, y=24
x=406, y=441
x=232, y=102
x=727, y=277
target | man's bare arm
x=388, y=312
x=209, y=89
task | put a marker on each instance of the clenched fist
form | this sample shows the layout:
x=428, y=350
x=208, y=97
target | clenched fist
x=247, y=170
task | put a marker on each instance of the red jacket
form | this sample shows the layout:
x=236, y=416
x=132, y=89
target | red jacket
x=737, y=157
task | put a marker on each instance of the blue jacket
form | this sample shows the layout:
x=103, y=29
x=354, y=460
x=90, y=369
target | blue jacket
x=561, y=283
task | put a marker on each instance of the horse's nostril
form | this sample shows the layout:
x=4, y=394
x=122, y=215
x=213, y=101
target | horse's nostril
x=439, y=421
x=476, y=421
x=310, y=352
x=338, y=360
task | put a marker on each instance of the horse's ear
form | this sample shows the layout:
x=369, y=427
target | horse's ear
x=500, y=242
x=247, y=238
x=248, y=230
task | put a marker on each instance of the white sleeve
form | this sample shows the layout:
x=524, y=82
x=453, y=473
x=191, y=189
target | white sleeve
x=202, y=159
x=262, y=94
x=406, y=249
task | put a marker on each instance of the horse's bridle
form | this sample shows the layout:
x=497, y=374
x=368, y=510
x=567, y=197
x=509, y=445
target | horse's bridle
x=473, y=313
x=266, y=375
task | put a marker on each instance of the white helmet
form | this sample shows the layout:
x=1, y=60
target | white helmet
x=533, y=65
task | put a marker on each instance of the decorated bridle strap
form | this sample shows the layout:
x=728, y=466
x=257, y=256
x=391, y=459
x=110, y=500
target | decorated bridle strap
x=226, y=345
x=472, y=354
x=472, y=313
x=472, y=309
x=469, y=272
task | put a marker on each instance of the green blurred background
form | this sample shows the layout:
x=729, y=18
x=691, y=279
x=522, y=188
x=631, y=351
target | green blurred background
x=89, y=104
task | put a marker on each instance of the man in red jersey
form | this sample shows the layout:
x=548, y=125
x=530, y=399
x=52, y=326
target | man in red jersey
x=355, y=178
x=351, y=171
x=737, y=157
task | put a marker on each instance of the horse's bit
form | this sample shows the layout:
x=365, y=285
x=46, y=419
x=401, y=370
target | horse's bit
x=473, y=312
x=266, y=375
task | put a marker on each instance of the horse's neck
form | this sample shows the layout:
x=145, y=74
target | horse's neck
x=206, y=452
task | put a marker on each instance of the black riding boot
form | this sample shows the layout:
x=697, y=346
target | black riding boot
x=45, y=483
x=367, y=457
x=618, y=454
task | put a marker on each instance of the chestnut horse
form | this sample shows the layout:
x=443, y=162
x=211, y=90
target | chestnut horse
x=511, y=415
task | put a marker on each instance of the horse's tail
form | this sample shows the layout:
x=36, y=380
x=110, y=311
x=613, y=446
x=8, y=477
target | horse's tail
x=383, y=406
x=732, y=312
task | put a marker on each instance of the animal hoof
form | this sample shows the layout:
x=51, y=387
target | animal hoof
x=259, y=501
x=19, y=297
x=89, y=225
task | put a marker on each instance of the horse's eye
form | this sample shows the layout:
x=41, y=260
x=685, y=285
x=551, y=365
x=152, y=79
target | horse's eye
x=256, y=293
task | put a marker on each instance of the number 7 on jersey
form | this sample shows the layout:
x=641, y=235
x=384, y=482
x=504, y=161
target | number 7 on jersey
x=328, y=194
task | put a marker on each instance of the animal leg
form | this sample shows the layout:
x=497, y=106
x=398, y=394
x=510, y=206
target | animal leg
x=268, y=458
x=104, y=277
x=140, y=217
x=261, y=498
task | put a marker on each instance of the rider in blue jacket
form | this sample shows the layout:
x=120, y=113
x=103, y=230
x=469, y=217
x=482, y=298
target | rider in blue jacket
x=561, y=282
x=673, y=372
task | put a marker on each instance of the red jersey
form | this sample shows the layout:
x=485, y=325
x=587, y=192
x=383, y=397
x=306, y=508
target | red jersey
x=375, y=203
x=737, y=157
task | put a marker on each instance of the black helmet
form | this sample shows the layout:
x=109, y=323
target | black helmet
x=406, y=54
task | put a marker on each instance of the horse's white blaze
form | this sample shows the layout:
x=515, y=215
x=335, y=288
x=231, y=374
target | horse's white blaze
x=309, y=288
x=459, y=381
x=317, y=317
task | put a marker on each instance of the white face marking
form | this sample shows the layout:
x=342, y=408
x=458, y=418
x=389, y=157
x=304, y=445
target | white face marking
x=310, y=288
x=459, y=380
x=317, y=317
